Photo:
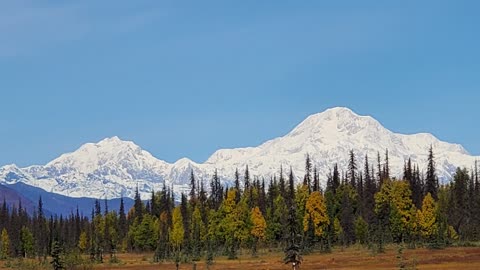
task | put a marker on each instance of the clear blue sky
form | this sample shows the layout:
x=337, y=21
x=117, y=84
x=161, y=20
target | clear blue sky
x=184, y=78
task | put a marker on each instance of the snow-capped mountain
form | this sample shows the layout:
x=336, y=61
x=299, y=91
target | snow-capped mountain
x=112, y=168
x=108, y=169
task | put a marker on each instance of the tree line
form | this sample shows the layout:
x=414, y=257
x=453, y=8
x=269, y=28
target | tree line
x=361, y=204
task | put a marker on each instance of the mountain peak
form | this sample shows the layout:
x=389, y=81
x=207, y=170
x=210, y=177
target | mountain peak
x=339, y=110
x=115, y=140
x=90, y=156
x=335, y=121
x=336, y=113
x=111, y=139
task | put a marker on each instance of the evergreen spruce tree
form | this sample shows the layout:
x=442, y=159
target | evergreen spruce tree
x=291, y=189
x=420, y=183
x=193, y=190
x=105, y=202
x=237, y=186
x=352, y=170
x=56, y=262
x=458, y=211
x=431, y=180
x=216, y=191
x=246, y=179
x=203, y=203
x=186, y=212
x=292, y=252
x=415, y=185
x=98, y=208
x=138, y=204
x=386, y=170
x=122, y=220
x=262, y=198
x=369, y=193
x=155, y=203
x=40, y=231
x=316, y=180
x=361, y=196
x=477, y=184
x=471, y=230
x=281, y=183
x=307, y=179
x=380, y=172
x=347, y=216
x=4, y=215
x=476, y=204
x=210, y=253
x=333, y=181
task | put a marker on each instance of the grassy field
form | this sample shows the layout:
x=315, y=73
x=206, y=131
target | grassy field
x=464, y=258
x=352, y=258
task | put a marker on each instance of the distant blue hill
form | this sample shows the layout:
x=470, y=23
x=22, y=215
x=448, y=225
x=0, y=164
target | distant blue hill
x=14, y=198
x=57, y=204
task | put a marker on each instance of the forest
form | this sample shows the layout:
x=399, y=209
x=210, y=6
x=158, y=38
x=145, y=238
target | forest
x=360, y=204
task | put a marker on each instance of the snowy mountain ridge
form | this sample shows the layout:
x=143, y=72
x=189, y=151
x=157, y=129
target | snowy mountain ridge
x=112, y=167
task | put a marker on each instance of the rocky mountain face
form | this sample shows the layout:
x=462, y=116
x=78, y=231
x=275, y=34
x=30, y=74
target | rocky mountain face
x=112, y=167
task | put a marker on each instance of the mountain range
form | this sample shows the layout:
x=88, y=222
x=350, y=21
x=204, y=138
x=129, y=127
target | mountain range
x=113, y=167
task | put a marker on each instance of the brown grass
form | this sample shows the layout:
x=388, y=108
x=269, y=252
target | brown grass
x=352, y=258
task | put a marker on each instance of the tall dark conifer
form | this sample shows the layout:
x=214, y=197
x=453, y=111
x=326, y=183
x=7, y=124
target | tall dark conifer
x=347, y=217
x=292, y=250
x=476, y=204
x=477, y=184
x=262, y=198
x=246, y=179
x=379, y=171
x=307, y=179
x=184, y=208
x=138, y=204
x=202, y=195
x=409, y=176
x=458, y=210
x=370, y=190
x=471, y=204
x=410, y=171
x=335, y=178
x=105, y=202
x=419, y=179
x=361, y=195
x=281, y=183
x=40, y=230
x=98, y=208
x=431, y=180
x=237, y=186
x=216, y=191
x=193, y=189
x=291, y=189
x=122, y=219
x=316, y=179
x=386, y=169
x=155, y=204
x=352, y=169
x=4, y=215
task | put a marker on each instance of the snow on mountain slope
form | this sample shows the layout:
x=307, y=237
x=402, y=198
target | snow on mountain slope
x=329, y=136
x=109, y=168
x=112, y=168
